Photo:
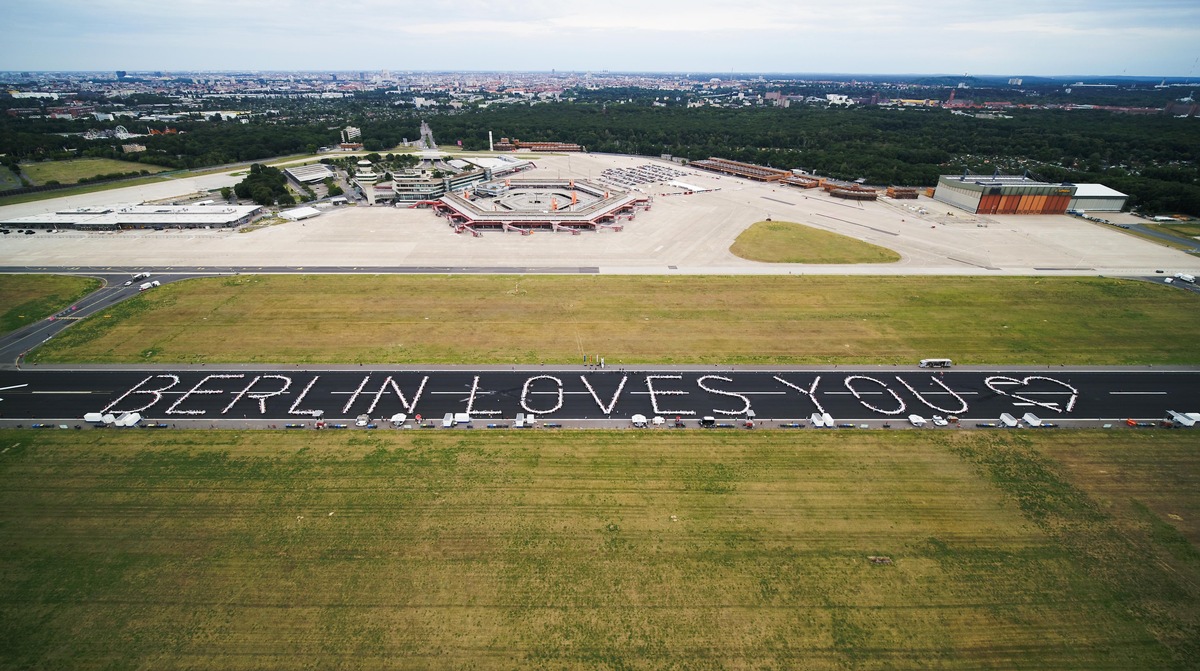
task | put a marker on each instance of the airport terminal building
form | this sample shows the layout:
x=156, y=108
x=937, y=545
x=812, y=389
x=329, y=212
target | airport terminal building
x=140, y=216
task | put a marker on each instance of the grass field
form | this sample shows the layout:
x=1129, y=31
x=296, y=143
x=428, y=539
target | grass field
x=641, y=319
x=28, y=298
x=71, y=171
x=616, y=550
x=784, y=242
x=8, y=180
x=1182, y=229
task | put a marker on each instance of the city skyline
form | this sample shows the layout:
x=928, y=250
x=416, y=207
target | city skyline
x=1075, y=37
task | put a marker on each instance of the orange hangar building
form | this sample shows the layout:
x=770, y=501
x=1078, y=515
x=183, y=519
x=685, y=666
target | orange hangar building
x=1003, y=194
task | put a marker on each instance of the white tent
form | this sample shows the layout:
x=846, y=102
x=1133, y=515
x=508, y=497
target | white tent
x=300, y=213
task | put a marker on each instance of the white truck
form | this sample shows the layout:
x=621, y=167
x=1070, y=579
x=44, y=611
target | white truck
x=150, y=285
x=1184, y=277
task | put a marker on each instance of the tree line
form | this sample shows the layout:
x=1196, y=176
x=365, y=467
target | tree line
x=1154, y=158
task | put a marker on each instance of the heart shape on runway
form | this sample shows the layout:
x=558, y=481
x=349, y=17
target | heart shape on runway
x=995, y=380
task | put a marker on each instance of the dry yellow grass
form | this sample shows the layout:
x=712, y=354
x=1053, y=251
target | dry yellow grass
x=646, y=319
x=25, y=299
x=572, y=550
x=785, y=242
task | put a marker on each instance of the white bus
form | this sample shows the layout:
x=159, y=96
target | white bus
x=936, y=363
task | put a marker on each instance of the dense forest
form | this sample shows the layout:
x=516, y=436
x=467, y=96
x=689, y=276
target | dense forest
x=1154, y=158
x=265, y=185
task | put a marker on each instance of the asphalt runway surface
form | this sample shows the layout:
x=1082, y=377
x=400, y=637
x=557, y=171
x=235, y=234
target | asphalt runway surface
x=589, y=397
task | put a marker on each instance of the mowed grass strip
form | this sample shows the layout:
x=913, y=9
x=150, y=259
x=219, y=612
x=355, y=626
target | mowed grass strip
x=71, y=171
x=641, y=319
x=785, y=242
x=25, y=299
x=1180, y=228
x=568, y=550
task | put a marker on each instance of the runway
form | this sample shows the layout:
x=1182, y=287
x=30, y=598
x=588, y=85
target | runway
x=590, y=397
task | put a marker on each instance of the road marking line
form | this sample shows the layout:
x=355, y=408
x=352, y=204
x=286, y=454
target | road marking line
x=60, y=392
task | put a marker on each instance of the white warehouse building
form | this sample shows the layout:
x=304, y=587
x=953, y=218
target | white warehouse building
x=140, y=216
x=1096, y=198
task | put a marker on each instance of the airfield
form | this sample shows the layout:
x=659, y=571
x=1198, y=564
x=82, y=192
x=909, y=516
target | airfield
x=681, y=233
x=666, y=547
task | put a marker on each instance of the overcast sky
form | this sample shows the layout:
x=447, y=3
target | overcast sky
x=1004, y=37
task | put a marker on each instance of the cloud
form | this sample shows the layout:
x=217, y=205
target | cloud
x=1155, y=37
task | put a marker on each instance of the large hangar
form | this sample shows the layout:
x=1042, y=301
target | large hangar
x=1003, y=194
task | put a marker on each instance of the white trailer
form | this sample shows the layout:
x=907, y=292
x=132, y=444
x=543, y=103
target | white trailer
x=1182, y=419
x=1009, y=421
x=916, y=420
x=1032, y=419
x=817, y=421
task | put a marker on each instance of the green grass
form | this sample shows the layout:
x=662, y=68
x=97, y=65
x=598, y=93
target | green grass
x=72, y=170
x=150, y=179
x=29, y=298
x=8, y=180
x=78, y=190
x=642, y=319
x=785, y=242
x=1188, y=230
x=572, y=550
x=1164, y=242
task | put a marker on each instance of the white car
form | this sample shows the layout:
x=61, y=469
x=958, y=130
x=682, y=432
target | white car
x=362, y=420
x=938, y=420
